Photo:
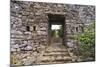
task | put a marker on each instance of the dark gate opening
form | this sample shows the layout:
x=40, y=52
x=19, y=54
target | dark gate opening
x=56, y=29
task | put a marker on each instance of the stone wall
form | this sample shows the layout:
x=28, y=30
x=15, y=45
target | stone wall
x=29, y=25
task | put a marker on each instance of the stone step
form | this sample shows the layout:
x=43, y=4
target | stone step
x=56, y=62
x=56, y=59
x=56, y=51
x=56, y=54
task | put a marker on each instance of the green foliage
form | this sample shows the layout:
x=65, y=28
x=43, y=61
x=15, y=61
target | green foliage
x=87, y=40
x=57, y=33
x=60, y=31
x=53, y=33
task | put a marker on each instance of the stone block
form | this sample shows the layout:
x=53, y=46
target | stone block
x=22, y=45
x=28, y=48
x=15, y=46
x=13, y=49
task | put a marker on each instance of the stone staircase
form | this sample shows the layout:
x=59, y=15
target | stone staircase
x=57, y=54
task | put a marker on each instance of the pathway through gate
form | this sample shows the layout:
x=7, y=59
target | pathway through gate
x=57, y=53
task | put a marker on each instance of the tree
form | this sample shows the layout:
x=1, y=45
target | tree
x=87, y=40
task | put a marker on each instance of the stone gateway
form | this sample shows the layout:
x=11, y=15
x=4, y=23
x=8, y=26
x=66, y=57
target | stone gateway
x=30, y=24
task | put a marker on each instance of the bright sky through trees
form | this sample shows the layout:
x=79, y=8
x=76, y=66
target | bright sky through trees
x=55, y=27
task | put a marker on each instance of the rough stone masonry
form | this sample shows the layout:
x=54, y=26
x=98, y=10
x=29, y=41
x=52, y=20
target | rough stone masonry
x=29, y=27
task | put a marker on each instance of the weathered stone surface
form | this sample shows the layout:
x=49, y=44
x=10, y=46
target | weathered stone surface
x=15, y=46
x=23, y=45
x=13, y=49
x=27, y=61
x=28, y=48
